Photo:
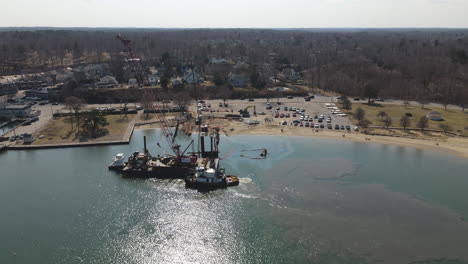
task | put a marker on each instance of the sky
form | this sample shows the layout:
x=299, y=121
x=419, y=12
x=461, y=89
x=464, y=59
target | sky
x=235, y=13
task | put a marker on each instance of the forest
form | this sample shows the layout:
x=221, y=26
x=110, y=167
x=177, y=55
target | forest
x=408, y=64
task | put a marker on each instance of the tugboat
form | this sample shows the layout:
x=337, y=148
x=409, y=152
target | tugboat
x=118, y=163
x=211, y=177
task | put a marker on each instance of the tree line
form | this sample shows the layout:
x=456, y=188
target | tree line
x=424, y=65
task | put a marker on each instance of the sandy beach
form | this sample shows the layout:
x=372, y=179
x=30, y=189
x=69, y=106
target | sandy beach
x=436, y=142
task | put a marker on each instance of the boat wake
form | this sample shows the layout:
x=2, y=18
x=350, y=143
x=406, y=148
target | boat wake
x=245, y=180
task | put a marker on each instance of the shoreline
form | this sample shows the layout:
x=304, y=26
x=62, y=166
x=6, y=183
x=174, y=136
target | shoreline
x=442, y=147
x=452, y=145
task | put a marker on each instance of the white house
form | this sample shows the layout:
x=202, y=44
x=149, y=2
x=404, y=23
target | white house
x=133, y=81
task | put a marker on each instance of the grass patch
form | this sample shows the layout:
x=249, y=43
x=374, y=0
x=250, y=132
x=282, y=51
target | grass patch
x=456, y=119
x=59, y=131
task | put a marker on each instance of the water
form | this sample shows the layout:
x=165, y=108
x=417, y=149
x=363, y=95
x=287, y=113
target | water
x=6, y=127
x=311, y=201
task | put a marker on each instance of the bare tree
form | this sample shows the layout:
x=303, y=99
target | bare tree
x=182, y=99
x=382, y=114
x=74, y=104
x=405, y=121
x=423, y=123
x=360, y=114
x=387, y=122
x=346, y=103
x=445, y=127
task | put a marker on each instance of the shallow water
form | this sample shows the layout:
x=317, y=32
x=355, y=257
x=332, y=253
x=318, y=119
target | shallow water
x=311, y=201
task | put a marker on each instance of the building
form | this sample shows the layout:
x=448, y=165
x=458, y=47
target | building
x=107, y=82
x=192, y=77
x=8, y=110
x=434, y=116
x=42, y=93
x=238, y=80
x=291, y=75
x=218, y=61
x=153, y=80
x=133, y=81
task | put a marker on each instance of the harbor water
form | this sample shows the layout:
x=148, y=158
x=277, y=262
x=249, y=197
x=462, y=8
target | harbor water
x=311, y=201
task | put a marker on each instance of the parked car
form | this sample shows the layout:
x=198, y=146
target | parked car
x=337, y=127
x=4, y=139
x=251, y=100
x=342, y=127
x=329, y=126
x=317, y=125
x=348, y=128
x=356, y=128
x=290, y=97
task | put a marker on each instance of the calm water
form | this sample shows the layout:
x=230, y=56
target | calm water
x=311, y=201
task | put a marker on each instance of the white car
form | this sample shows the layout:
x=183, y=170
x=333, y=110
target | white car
x=356, y=128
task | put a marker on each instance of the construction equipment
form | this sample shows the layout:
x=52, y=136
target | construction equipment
x=245, y=112
x=133, y=62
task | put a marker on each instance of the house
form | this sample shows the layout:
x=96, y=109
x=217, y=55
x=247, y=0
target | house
x=63, y=76
x=8, y=110
x=153, y=80
x=177, y=82
x=238, y=80
x=434, y=116
x=107, y=82
x=291, y=75
x=133, y=81
x=192, y=77
x=95, y=70
x=242, y=66
x=218, y=61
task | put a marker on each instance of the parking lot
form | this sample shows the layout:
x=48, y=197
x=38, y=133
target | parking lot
x=283, y=110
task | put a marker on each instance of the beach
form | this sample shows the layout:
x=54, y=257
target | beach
x=436, y=142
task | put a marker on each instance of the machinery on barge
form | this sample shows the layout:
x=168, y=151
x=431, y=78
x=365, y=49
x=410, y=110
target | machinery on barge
x=199, y=169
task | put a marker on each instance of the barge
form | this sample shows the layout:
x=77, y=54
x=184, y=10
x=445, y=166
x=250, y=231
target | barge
x=200, y=170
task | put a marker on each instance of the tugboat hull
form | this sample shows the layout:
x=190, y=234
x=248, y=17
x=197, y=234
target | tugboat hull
x=228, y=181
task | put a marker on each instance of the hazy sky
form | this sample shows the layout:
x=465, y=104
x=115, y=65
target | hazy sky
x=234, y=13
